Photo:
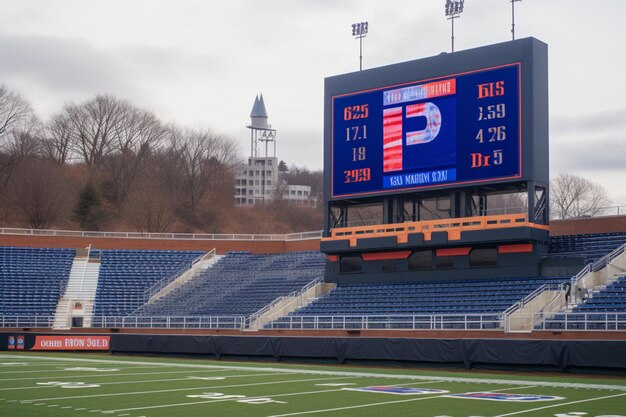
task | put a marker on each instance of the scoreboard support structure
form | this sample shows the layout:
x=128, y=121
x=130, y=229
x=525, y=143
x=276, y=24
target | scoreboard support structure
x=418, y=155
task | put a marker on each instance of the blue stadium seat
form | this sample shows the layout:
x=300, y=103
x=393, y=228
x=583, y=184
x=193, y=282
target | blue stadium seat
x=33, y=279
x=239, y=284
x=125, y=275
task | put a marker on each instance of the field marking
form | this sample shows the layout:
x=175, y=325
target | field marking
x=351, y=407
x=134, y=382
x=94, y=375
x=219, y=401
x=21, y=388
x=352, y=374
x=562, y=404
x=289, y=394
x=70, y=370
x=28, y=364
x=114, y=394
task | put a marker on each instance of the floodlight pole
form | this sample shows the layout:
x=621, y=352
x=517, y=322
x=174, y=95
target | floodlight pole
x=359, y=31
x=360, y=53
x=513, y=17
x=451, y=18
x=454, y=8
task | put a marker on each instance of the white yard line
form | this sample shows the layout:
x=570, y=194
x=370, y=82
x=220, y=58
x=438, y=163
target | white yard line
x=70, y=370
x=349, y=373
x=95, y=374
x=115, y=394
x=31, y=364
x=562, y=404
x=132, y=382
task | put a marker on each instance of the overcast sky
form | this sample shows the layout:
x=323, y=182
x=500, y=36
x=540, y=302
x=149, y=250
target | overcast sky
x=200, y=63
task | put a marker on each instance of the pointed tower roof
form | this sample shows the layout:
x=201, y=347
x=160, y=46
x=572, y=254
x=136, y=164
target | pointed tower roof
x=258, y=109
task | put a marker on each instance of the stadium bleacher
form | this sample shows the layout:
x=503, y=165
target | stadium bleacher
x=589, y=247
x=33, y=279
x=125, y=275
x=456, y=297
x=239, y=284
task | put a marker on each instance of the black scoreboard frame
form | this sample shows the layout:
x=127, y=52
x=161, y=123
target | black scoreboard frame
x=532, y=57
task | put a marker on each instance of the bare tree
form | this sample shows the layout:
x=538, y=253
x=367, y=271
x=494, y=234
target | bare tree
x=133, y=140
x=92, y=127
x=23, y=144
x=152, y=208
x=16, y=117
x=15, y=111
x=206, y=161
x=572, y=196
x=55, y=141
x=40, y=192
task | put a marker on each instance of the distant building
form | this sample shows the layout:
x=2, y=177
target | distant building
x=259, y=181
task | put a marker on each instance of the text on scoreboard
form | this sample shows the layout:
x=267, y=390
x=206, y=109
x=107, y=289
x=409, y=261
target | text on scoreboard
x=457, y=129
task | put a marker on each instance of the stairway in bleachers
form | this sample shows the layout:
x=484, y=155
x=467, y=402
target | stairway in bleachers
x=80, y=293
x=605, y=309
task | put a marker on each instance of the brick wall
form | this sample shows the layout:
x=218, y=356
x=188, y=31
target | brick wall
x=557, y=228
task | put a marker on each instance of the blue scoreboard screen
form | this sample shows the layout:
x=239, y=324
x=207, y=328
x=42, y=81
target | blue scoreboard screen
x=459, y=129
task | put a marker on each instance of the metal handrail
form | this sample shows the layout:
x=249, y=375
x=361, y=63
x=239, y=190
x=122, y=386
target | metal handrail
x=613, y=321
x=598, y=265
x=12, y=321
x=164, y=282
x=580, y=321
x=316, y=234
x=487, y=321
x=520, y=304
x=82, y=279
x=254, y=316
x=169, y=322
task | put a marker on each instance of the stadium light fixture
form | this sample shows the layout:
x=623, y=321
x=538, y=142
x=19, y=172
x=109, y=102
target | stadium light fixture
x=359, y=31
x=454, y=8
x=513, y=17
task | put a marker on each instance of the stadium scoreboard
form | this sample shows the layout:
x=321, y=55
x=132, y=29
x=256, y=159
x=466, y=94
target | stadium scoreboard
x=449, y=121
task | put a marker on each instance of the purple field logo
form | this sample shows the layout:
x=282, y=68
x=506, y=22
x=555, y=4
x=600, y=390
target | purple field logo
x=497, y=396
x=398, y=390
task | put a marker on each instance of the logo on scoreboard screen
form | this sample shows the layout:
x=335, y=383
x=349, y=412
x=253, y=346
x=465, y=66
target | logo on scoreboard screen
x=498, y=396
x=419, y=120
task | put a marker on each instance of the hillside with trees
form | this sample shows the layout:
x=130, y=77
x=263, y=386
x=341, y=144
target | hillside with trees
x=106, y=164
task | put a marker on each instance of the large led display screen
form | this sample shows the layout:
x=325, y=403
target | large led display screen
x=459, y=129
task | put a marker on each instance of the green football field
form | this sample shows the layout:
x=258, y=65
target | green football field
x=87, y=385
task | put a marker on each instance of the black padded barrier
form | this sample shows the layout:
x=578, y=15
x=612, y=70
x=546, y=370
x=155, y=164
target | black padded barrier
x=559, y=355
x=469, y=353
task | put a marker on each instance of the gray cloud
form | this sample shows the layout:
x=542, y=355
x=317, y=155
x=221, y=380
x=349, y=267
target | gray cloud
x=61, y=64
x=594, y=154
x=585, y=123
